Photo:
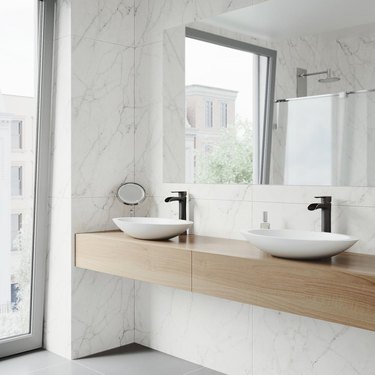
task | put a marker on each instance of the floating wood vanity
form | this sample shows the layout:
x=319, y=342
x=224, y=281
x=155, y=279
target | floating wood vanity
x=341, y=289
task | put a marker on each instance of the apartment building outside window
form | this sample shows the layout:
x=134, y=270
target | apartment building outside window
x=16, y=180
x=209, y=114
x=16, y=134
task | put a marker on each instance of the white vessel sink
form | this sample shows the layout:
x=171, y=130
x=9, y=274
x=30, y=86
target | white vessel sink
x=152, y=228
x=295, y=244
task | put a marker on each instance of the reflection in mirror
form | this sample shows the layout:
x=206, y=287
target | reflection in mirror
x=323, y=126
x=225, y=107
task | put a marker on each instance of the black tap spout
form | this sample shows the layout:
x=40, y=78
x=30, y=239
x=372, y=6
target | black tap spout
x=325, y=205
x=317, y=206
x=182, y=200
x=172, y=199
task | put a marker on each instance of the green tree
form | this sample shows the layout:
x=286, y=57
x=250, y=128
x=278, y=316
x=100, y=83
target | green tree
x=230, y=161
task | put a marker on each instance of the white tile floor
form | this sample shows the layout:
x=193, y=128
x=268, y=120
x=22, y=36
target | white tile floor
x=128, y=360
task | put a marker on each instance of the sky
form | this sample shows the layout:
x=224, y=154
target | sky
x=213, y=65
x=17, y=47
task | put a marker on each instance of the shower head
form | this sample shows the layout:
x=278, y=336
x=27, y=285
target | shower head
x=330, y=77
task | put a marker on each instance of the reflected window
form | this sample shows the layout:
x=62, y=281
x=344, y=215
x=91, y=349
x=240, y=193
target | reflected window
x=16, y=180
x=16, y=134
x=229, y=85
x=224, y=115
x=209, y=114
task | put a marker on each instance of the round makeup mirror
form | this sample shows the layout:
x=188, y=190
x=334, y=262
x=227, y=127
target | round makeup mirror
x=131, y=193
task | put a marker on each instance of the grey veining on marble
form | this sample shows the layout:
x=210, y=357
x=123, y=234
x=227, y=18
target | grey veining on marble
x=108, y=129
x=226, y=210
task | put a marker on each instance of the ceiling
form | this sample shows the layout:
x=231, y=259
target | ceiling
x=287, y=18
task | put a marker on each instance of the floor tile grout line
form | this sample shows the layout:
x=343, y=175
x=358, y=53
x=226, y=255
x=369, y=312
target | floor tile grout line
x=61, y=361
x=48, y=367
x=89, y=368
x=193, y=371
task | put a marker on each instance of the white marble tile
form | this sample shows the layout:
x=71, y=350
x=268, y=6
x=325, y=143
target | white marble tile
x=102, y=312
x=96, y=214
x=286, y=216
x=207, y=191
x=102, y=305
x=208, y=331
x=342, y=196
x=218, y=218
x=109, y=21
x=152, y=17
x=61, y=129
x=287, y=344
x=57, y=320
x=174, y=118
x=102, y=117
x=358, y=222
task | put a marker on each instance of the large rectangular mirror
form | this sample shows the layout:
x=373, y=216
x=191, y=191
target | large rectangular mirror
x=279, y=93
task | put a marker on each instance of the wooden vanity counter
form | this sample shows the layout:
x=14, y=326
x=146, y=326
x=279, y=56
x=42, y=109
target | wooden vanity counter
x=340, y=289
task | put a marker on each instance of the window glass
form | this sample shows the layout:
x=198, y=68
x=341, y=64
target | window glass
x=18, y=113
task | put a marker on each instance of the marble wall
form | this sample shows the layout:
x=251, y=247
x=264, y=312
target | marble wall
x=57, y=332
x=108, y=129
x=223, y=335
x=93, y=153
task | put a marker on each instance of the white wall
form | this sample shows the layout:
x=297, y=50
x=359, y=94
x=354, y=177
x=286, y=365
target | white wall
x=108, y=128
x=92, y=153
x=227, y=336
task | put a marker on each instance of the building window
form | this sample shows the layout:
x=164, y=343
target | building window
x=16, y=134
x=16, y=180
x=209, y=113
x=14, y=295
x=224, y=115
x=16, y=225
x=207, y=149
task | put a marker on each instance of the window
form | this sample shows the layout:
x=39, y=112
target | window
x=224, y=115
x=209, y=113
x=16, y=134
x=26, y=50
x=230, y=89
x=16, y=180
x=14, y=295
x=16, y=224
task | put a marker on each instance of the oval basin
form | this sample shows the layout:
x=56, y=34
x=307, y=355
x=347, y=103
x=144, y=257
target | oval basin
x=152, y=228
x=294, y=244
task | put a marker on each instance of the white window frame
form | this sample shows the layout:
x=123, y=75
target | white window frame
x=34, y=339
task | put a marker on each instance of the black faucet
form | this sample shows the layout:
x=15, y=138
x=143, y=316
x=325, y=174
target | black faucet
x=325, y=205
x=181, y=199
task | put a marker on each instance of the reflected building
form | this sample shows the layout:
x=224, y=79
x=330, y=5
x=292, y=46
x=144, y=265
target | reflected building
x=209, y=110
